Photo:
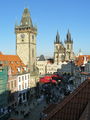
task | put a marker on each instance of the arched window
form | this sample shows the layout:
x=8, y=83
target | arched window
x=57, y=48
x=67, y=46
x=33, y=53
x=32, y=38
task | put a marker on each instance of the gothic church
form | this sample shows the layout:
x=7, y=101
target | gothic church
x=61, y=52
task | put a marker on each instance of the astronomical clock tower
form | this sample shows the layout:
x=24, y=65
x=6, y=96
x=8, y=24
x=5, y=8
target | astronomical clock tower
x=26, y=40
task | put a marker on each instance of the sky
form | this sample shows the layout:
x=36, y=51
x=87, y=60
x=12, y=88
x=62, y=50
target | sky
x=49, y=16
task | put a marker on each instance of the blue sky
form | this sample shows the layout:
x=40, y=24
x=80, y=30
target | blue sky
x=49, y=16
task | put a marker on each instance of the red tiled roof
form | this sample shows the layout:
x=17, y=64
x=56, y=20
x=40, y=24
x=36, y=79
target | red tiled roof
x=10, y=58
x=80, y=59
x=13, y=61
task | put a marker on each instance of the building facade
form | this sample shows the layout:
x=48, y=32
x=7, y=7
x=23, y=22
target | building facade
x=18, y=81
x=26, y=40
x=45, y=66
x=23, y=86
x=67, y=67
x=61, y=52
x=41, y=65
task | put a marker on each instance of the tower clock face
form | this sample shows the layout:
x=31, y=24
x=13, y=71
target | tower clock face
x=22, y=36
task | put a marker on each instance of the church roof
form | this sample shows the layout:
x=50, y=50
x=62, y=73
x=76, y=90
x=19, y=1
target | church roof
x=26, y=19
x=74, y=106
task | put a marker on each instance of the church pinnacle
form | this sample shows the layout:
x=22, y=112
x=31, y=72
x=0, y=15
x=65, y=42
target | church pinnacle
x=68, y=37
x=57, y=38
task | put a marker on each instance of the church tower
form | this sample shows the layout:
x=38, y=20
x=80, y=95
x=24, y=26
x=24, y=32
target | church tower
x=59, y=50
x=26, y=40
x=69, y=47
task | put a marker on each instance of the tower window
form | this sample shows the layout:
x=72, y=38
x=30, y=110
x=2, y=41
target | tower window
x=32, y=37
x=19, y=87
x=32, y=52
x=67, y=46
x=56, y=47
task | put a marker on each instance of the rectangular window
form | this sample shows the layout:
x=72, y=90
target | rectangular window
x=19, y=87
x=19, y=79
x=22, y=77
x=28, y=76
x=25, y=77
x=25, y=85
x=32, y=37
x=67, y=46
x=11, y=84
x=22, y=85
x=15, y=83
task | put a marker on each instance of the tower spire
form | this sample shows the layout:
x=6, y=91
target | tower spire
x=26, y=19
x=68, y=37
x=57, y=37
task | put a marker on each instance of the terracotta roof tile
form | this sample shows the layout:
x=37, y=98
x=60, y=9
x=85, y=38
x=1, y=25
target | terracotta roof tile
x=13, y=61
x=80, y=59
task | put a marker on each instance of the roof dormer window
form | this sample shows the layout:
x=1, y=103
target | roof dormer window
x=25, y=68
x=11, y=62
x=18, y=69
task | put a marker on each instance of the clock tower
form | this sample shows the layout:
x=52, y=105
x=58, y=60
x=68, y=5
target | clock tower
x=26, y=40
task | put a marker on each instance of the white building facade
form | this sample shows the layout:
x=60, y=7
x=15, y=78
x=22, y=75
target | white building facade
x=23, y=86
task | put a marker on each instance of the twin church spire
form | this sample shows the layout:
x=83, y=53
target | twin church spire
x=63, y=52
x=57, y=38
x=68, y=38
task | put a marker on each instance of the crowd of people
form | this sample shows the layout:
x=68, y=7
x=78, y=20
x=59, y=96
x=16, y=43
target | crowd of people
x=55, y=92
x=50, y=92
